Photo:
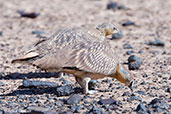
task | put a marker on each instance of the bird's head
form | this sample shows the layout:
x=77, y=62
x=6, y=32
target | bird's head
x=123, y=75
x=108, y=29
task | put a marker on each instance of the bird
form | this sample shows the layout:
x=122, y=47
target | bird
x=85, y=54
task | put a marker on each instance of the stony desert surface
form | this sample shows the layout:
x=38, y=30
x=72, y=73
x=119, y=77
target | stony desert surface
x=146, y=34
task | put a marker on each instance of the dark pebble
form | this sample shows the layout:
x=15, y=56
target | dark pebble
x=2, y=83
x=134, y=62
x=31, y=83
x=157, y=42
x=106, y=101
x=96, y=110
x=132, y=98
x=128, y=23
x=75, y=109
x=64, y=90
x=74, y=99
x=168, y=90
x=65, y=81
x=28, y=14
x=140, y=92
x=141, y=107
x=126, y=94
x=112, y=5
x=1, y=33
x=127, y=46
x=40, y=110
x=129, y=52
x=154, y=101
x=117, y=35
x=39, y=33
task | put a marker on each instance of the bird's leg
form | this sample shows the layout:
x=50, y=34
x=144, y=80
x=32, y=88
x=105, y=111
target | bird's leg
x=80, y=81
x=85, y=86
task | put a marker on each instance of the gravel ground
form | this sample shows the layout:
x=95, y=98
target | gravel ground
x=146, y=41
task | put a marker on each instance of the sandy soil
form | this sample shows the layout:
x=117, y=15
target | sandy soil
x=152, y=19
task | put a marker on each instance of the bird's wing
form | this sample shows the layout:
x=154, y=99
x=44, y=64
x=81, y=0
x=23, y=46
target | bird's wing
x=97, y=58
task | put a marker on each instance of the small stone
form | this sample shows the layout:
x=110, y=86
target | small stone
x=157, y=42
x=154, y=101
x=39, y=33
x=40, y=110
x=140, y=92
x=74, y=99
x=141, y=107
x=2, y=83
x=134, y=98
x=112, y=5
x=65, y=81
x=129, y=52
x=28, y=14
x=126, y=94
x=64, y=90
x=75, y=109
x=168, y=90
x=134, y=62
x=128, y=23
x=32, y=83
x=1, y=33
x=106, y=101
x=127, y=46
x=117, y=35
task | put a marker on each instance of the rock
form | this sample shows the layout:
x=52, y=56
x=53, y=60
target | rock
x=132, y=98
x=40, y=110
x=39, y=33
x=141, y=107
x=64, y=90
x=32, y=83
x=28, y=14
x=129, y=52
x=96, y=110
x=128, y=23
x=117, y=35
x=127, y=46
x=112, y=5
x=154, y=101
x=157, y=42
x=140, y=92
x=1, y=33
x=74, y=99
x=134, y=62
x=126, y=94
x=75, y=109
x=168, y=90
x=106, y=101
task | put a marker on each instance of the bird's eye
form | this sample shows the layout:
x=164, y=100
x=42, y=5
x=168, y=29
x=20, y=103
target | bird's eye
x=114, y=28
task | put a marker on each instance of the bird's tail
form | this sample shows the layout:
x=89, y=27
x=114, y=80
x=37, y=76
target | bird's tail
x=27, y=58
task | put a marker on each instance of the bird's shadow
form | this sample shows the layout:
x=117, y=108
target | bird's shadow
x=32, y=90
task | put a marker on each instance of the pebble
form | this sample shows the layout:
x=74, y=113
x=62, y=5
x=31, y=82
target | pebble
x=141, y=107
x=114, y=5
x=168, y=90
x=132, y=98
x=28, y=14
x=2, y=83
x=134, y=62
x=96, y=110
x=32, y=83
x=157, y=42
x=106, y=101
x=64, y=90
x=74, y=99
x=75, y=109
x=40, y=110
x=117, y=35
x=39, y=33
x=126, y=94
x=127, y=46
x=65, y=81
x=1, y=33
x=128, y=23
x=140, y=92
x=129, y=52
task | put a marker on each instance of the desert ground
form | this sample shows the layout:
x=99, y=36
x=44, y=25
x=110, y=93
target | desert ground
x=152, y=80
